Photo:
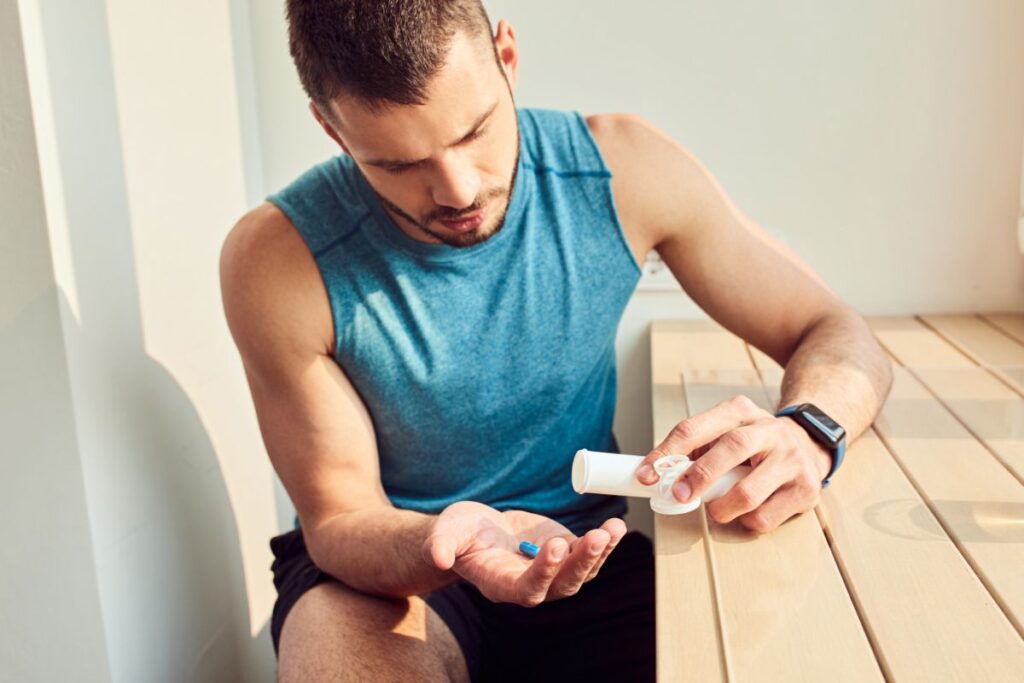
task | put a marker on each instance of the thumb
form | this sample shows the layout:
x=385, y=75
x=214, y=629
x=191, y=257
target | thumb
x=438, y=551
x=440, y=547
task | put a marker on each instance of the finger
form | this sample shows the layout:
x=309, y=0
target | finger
x=732, y=448
x=531, y=587
x=790, y=500
x=441, y=547
x=701, y=450
x=773, y=473
x=698, y=430
x=616, y=529
x=577, y=566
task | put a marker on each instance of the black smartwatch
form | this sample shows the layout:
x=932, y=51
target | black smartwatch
x=822, y=429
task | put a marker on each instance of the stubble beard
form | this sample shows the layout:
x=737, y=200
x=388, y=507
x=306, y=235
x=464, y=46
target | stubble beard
x=468, y=239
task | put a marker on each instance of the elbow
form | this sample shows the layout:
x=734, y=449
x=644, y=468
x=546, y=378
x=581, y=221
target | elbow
x=321, y=537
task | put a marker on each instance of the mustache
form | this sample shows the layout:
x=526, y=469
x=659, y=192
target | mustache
x=452, y=214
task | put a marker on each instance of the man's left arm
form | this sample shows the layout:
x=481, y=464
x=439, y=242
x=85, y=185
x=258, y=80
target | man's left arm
x=760, y=290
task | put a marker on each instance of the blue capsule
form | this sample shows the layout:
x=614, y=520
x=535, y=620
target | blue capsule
x=528, y=549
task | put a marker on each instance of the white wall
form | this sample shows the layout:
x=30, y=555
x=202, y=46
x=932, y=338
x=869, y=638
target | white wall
x=880, y=140
x=141, y=152
x=48, y=588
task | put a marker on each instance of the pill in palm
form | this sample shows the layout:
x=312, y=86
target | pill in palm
x=528, y=549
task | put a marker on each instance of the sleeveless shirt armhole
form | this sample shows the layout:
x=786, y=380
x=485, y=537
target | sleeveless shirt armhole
x=285, y=206
x=606, y=189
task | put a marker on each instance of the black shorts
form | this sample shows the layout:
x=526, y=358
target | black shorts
x=604, y=632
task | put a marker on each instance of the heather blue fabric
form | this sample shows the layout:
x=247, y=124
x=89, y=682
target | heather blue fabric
x=484, y=368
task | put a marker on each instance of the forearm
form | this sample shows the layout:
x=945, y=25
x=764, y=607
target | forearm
x=839, y=367
x=378, y=551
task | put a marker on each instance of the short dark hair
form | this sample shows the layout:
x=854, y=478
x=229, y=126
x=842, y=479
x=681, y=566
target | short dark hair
x=381, y=51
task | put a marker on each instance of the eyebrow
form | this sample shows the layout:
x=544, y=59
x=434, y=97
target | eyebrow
x=409, y=162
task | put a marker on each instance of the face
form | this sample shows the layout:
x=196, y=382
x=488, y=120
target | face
x=444, y=171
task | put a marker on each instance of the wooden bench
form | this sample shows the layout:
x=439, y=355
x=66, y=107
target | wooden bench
x=912, y=566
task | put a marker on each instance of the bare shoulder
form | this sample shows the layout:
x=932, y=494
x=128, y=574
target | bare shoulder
x=273, y=295
x=618, y=130
x=658, y=184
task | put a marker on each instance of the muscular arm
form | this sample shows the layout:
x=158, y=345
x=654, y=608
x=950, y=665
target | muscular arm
x=763, y=292
x=742, y=276
x=317, y=431
x=838, y=367
x=758, y=288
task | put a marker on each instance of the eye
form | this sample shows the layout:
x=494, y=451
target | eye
x=395, y=170
x=475, y=134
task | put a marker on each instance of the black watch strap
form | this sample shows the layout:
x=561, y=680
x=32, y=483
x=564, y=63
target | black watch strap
x=822, y=429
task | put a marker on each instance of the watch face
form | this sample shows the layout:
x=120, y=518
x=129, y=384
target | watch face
x=823, y=423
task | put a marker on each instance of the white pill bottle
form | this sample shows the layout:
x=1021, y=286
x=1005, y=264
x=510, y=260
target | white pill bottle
x=615, y=474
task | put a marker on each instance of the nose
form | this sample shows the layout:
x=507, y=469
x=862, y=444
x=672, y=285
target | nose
x=456, y=184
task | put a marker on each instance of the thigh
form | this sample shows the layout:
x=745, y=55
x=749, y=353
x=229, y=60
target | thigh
x=334, y=633
x=604, y=632
x=323, y=630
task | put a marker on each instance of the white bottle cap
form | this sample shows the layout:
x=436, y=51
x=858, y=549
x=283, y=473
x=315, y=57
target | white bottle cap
x=669, y=469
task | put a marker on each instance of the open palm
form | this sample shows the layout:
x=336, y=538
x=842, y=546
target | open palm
x=481, y=544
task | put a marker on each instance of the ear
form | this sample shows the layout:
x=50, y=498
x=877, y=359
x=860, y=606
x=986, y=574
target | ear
x=508, y=51
x=325, y=124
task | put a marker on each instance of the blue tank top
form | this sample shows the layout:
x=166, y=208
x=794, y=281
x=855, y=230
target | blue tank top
x=484, y=368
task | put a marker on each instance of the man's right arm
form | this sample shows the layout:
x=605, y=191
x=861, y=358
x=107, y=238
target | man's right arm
x=317, y=431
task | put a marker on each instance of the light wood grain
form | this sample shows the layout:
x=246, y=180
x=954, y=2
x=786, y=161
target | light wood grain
x=979, y=499
x=1010, y=323
x=992, y=411
x=907, y=337
x=776, y=592
x=987, y=346
x=688, y=633
x=980, y=504
x=779, y=589
x=926, y=611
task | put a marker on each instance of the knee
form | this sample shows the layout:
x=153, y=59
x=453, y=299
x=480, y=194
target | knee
x=336, y=633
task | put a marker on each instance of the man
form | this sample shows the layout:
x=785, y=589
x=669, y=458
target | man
x=427, y=326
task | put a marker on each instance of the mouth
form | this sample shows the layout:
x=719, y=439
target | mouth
x=465, y=223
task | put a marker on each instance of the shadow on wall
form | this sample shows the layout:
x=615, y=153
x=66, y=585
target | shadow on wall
x=168, y=559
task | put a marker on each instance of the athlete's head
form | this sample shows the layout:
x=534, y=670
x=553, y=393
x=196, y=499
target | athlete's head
x=419, y=94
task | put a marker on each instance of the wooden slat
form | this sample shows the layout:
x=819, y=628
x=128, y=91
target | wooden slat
x=768, y=614
x=1014, y=377
x=1010, y=323
x=688, y=633
x=928, y=614
x=910, y=338
x=993, y=412
x=695, y=345
x=978, y=501
x=798, y=591
x=987, y=346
